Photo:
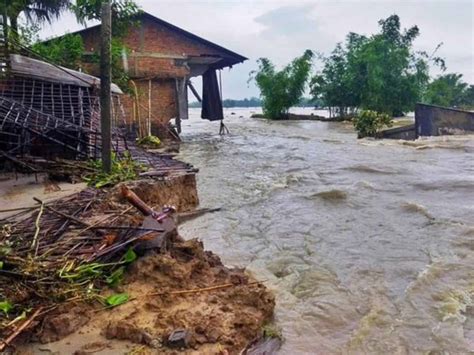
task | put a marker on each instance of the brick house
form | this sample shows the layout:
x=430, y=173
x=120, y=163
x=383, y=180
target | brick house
x=161, y=60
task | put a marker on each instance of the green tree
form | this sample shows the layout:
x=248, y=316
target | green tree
x=334, y=86
x=280, y=90
x=381, y=72
x=447, y=90
x=468, y=99
x=67, y=50
x=34, y=11
x=122, y=13
x=396, y=76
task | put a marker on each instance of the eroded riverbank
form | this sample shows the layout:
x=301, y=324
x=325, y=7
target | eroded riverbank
x=367, y=244
x=105, y=279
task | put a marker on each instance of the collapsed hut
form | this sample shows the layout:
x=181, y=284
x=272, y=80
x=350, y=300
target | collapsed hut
x=49, y=111
x=161, y=60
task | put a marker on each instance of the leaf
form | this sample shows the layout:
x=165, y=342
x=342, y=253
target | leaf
x=5, y=307
x=115, y=277
x=1, y=265
x=22, y=316
x=117, y=299
x=130, y=256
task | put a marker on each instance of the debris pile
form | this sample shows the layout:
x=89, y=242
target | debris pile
x=65, y=264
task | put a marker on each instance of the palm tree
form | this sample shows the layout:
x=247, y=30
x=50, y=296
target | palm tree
x=33, y=10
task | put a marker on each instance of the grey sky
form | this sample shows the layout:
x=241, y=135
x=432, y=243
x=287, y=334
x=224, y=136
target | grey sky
x=281, y=30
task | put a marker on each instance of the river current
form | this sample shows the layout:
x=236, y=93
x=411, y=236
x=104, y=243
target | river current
x=368, y=245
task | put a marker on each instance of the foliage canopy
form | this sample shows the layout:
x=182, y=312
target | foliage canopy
x=280, y=90
x=449, y=90
x=66, y=51
x=33, y=10
x=381, y=72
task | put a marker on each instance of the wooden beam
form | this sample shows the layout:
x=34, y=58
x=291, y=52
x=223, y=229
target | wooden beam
x=194, y=91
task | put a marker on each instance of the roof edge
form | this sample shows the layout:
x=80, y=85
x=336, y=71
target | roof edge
x=238, y=58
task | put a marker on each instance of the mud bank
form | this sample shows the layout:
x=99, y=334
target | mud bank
x=181, y=298
x=169, y=292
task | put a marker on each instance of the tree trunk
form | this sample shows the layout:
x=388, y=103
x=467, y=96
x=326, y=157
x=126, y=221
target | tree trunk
x=14, y=35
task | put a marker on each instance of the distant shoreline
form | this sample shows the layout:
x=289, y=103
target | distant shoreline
x=311, y=117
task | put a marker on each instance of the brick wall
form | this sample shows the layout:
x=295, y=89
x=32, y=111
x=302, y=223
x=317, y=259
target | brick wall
x=163, y=103
x=155, y=53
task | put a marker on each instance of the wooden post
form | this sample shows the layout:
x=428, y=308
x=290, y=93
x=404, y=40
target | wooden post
x=105, y=83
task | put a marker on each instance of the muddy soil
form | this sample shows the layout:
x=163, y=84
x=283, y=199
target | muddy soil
x=221, y=310
x=223, y=320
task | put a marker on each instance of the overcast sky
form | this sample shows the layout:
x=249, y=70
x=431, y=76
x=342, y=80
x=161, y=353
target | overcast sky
x=281, y=30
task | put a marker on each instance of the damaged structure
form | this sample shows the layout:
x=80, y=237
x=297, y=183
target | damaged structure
x=433, y=120
x=50, y=111
x=65, y=262
x=161, y=59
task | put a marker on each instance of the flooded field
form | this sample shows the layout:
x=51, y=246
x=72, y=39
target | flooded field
x=368, y=245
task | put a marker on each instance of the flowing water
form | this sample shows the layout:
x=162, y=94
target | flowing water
x=368, y=245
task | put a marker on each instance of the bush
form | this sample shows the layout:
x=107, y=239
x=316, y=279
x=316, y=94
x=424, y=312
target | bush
x=123, y=169
x=368, y=123
x=281, y=90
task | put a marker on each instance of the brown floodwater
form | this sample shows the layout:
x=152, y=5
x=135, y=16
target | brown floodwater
x=368, y=245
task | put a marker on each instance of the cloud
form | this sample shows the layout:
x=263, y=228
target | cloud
x=283, y=29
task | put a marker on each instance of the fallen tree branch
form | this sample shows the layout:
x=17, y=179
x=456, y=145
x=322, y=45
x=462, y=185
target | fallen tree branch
x=19, y=330
x=205, y=289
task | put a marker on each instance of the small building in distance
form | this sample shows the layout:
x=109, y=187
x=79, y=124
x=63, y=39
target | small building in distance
x=160, y=62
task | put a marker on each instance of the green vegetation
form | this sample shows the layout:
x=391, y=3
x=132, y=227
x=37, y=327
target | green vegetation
x=123, y=169
x=256, y=102
x=280, y=90
x=35, y=11
x=89, y=272
x=449, y=90
x=149, y=142
x=368, y=123
x=381, y=72
x=5, y=307
x=117, y=299
x=66, y=51
x=122, y=13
